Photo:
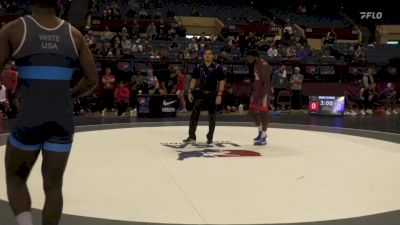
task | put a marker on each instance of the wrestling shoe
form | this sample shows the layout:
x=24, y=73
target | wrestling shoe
x=261, y=141
x=258, y=137
x=189, y=140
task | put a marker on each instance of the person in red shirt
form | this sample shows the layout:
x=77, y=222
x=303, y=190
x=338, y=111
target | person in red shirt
x=180, y=89
x=108, y=81
x=121, y=96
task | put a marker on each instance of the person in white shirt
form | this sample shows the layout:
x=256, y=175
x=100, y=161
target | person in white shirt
x=137, y=47
x=107, y=35
x=272, y=52
x=4, y=105
x=151, y=31
x=126, y=45
x=124, y=33
x=296, y=83
x=193, y=47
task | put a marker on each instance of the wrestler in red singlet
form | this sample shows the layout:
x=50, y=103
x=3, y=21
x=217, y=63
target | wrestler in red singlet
x=259, y=99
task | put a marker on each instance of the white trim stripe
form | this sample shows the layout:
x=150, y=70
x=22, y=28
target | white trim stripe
x=45, y=28
x=72, y=39
x=23, y=38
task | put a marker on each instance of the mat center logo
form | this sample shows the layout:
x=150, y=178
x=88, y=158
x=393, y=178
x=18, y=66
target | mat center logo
x=204, y=150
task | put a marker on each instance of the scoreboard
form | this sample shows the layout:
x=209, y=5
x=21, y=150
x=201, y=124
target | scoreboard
x=326, y=105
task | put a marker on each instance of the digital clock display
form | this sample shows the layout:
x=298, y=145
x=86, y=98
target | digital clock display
x=326, y=105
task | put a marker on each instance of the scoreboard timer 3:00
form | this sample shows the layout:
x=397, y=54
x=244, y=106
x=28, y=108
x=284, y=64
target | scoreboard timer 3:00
x=326, y=105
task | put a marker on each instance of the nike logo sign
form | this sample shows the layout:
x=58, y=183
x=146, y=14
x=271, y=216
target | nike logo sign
x=165, y=103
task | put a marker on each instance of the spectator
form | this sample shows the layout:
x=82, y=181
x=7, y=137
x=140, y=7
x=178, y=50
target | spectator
x=222, y=57
x=89, y=40
x=287, y=33
x=388, y=96
x=116, y=14
x=126, y=46
x=146, y=4
x=135, y=29
x=107, y=13
x=251, y=20
x=124, y=33
x=136, y=86
x=301, y=53
x=175, y=43
x=182, y=60
x=202, y=37
x=133, y=6
x=263, y=44
x=368, y=86
x=169, y=84
x=290, y=52
x=99, y=50
x=143, y=14
x=361, y=56
x=193, y=47
x=162, y=30
x=158, y=4
x=151, y=83
x=272, y=51
x=230, y=101
x=137, y=47
x=147, y=47
x=157, y=14
x=201, y=47
x=117, y=43
x=9, y=79
x=107, y=35
x=94, y=9
x=4, y=104
x=251, y=41
x=110, y=53
x=114, y=5
x=351, y=55
x=351, y=102
x=296, y=82
x=299, y=9
x=243, y=43
x=330, y=37
x=195, y=12
x=151, y=31
x=172, y=34
x=181, y=88
x=279, y=83
x=108, y=80
x=303, y=40
x=121, y=96
x=264, y=20
x=118, y=53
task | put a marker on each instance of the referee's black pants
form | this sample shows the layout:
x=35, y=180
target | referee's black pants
x=203, y=101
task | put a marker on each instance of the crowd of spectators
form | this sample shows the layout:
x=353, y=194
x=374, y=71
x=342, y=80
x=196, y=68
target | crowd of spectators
x=159, y=40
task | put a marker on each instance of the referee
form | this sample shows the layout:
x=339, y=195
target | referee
x=205, y=91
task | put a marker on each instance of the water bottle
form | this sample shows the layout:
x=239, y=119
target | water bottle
x=241, y=108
